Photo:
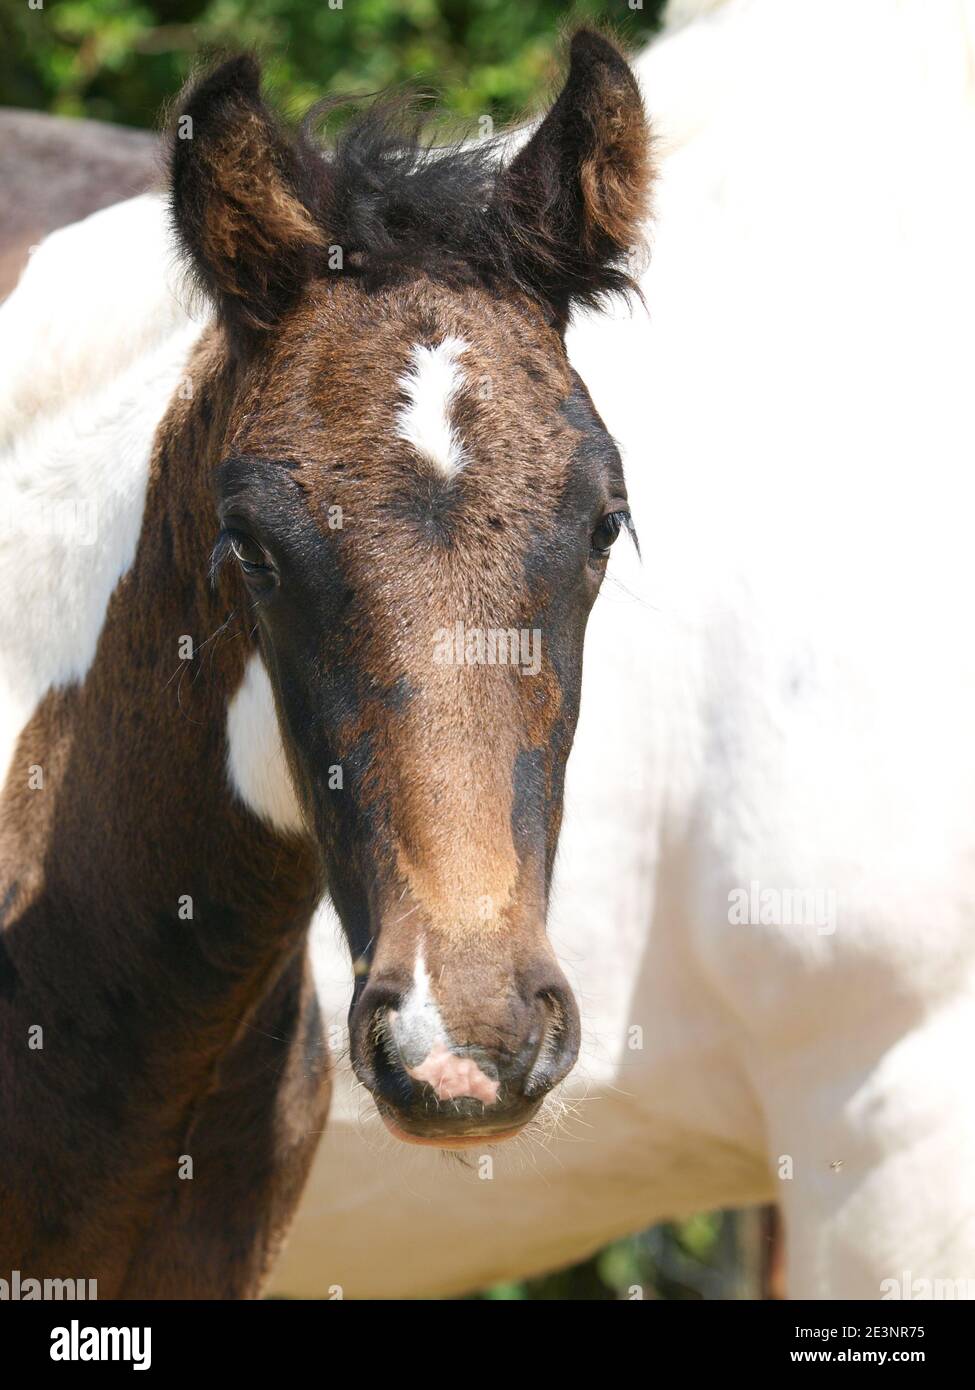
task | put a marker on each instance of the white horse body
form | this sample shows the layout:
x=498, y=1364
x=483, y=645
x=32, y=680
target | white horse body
x=776, y=702
x=781, y=695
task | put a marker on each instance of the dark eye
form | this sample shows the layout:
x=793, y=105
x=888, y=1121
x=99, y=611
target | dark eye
x=608, y=529
x=251, y=557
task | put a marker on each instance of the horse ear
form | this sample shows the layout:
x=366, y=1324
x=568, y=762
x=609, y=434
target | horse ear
x=572, y=202
x=242, y=197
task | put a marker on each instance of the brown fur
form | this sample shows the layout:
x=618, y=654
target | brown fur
x=616, y=179
x=257, y=217
x=152, y=1024
x=441, y=775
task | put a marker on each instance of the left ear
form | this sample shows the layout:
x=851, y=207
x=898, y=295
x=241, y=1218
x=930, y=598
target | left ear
x=243, y=196
x=571, y=204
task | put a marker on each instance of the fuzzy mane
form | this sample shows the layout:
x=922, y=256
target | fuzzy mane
x=401, y=203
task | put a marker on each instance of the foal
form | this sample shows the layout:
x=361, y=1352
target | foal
x=329, y=634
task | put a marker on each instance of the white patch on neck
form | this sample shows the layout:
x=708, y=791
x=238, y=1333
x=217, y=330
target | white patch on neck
x=430, y=385
x=256, y=761
x=95, y=298
x=93, y=346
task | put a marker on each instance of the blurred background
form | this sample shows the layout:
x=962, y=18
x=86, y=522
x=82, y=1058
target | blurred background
x=122, y=60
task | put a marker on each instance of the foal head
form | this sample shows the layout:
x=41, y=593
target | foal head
x=417, y=500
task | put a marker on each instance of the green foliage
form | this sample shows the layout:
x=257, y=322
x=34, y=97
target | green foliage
x=121, y=60
x=707, y=1256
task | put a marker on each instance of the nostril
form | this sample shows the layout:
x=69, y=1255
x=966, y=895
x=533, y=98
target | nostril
x=372, y=1045
x=559, y=1045
x=391, y=1079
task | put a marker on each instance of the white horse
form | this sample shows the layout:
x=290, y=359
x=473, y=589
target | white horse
x=777, y=716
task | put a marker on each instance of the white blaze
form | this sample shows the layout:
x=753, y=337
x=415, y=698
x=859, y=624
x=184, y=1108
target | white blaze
x=430, y=385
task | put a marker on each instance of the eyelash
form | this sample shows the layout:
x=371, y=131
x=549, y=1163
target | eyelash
x=227, y=543
x=221, y=549
x=630, y=530
x=622, y=521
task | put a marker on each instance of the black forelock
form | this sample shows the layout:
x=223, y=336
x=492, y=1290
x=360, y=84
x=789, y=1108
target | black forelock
x=396, y=202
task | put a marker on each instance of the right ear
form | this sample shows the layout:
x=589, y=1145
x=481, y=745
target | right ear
x=243, y=198
x=571, y=204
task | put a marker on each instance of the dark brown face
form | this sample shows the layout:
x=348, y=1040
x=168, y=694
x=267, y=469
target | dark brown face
x=420, y=501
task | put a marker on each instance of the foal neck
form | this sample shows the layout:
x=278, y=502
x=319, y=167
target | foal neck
x=149, y=920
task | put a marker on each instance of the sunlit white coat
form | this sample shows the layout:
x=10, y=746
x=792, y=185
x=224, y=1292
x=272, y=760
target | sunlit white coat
x=780, y=699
